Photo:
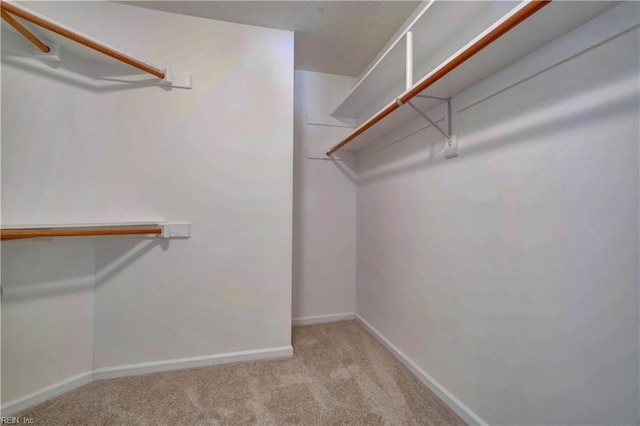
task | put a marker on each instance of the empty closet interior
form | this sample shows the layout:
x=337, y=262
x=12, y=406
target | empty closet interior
x=176, y=193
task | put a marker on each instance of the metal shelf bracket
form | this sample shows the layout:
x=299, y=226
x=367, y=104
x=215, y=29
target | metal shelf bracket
x=451, y=145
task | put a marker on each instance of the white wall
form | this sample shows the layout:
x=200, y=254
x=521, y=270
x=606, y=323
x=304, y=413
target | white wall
x=219, y=156
x=324, y=248
x=510, y=274
x=47, y=313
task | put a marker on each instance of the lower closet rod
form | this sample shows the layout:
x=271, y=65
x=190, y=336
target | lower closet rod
x=15, y=234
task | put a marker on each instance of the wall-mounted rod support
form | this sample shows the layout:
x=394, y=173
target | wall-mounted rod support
x=526, y=11
x=409, y=66
x=433, y=123
x=450, y=120
x=15, y=234
x=25, y=32
x=17, y=11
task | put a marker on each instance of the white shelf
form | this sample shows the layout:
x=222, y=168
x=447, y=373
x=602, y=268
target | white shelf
x=453, y=23
x=548, y=24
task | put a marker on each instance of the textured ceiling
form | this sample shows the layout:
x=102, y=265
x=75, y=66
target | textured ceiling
x=335, y=37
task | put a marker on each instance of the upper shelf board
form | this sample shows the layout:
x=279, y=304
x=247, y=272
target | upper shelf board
x=434, y=25
x=445, y=27
x=548, y=24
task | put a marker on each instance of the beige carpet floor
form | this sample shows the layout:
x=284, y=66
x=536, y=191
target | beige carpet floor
x=339, y=374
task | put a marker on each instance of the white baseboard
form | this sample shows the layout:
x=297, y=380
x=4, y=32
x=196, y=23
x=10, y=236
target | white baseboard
x=447, y=397
x=321, y=319
x=193, y=362
x=19, y=404
x=15, y=406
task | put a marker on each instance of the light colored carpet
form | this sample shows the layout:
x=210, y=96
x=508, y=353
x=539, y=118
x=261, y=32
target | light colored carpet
x=339, y=374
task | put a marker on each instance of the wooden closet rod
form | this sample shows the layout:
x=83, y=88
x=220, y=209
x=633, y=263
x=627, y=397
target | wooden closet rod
x=14, y=10
x=15, y=234
x=25, y=32
x=476, y=47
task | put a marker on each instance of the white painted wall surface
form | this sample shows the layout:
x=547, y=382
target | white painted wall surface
x=324, y=248
x=47, y=313
x=219, y=156
x=510, y=274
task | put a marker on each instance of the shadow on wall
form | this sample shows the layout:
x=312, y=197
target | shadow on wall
x=348, y=168
x=421, y=148
x=412, y=152
x=41, y=268
x=558, y=116
x=116, y=254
